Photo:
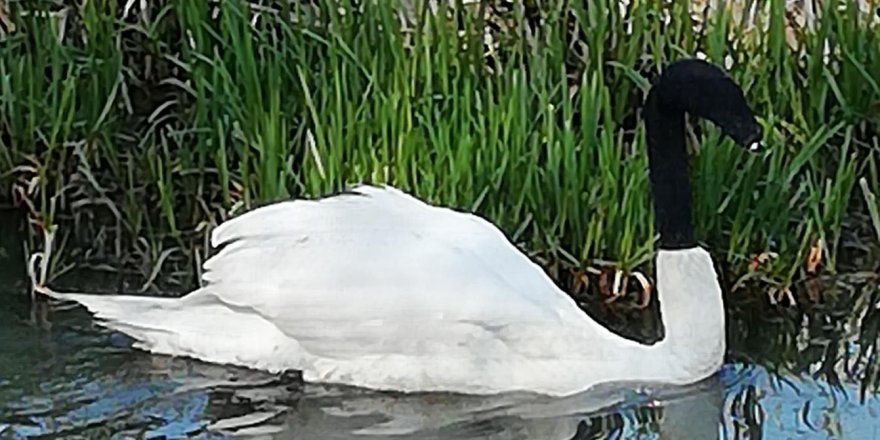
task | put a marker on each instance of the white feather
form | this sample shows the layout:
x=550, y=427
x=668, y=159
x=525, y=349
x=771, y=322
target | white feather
x=375, y=288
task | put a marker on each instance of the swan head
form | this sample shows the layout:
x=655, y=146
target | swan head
x=685, y=86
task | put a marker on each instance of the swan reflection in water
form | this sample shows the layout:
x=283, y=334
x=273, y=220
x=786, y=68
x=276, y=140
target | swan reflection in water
x=259, y=405
x=691, y=412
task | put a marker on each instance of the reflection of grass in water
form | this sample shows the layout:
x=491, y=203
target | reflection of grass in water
x=642, y=421
x=132, y=129
x=764, y=406
x=11, y=250
x=813, y=367
x=834, y=340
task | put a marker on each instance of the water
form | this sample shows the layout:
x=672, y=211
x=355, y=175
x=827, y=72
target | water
x=61, y=376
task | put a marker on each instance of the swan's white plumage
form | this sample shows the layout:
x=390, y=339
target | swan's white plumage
x=375, y=288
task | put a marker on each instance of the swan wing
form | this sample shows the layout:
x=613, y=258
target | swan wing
x=338, y=273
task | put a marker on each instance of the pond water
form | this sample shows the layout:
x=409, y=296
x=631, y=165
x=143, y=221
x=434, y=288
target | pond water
x=62, y=376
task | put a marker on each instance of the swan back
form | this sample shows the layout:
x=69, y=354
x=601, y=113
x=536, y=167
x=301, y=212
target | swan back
x=380, y=250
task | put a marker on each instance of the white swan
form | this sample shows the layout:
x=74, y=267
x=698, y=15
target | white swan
x=377, y=289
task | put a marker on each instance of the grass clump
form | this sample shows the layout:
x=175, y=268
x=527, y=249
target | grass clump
x=129, y=132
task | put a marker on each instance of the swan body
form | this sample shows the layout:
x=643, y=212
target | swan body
x=375, y=288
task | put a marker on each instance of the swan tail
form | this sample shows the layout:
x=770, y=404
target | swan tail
x=142, y=318
x=195, y=327
x=115, y=307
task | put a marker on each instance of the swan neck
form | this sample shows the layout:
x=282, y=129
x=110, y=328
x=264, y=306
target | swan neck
x=668, y=172
x=692, y=311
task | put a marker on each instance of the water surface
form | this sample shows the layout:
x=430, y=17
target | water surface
x=62, y=376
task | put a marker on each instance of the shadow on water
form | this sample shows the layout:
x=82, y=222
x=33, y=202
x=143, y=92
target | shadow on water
x=808, y=372
x=12, y=269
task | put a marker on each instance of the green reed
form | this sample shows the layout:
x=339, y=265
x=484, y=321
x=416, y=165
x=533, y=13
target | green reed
x=131, y=132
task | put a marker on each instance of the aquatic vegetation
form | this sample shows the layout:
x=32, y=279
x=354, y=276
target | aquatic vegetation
x=127, y=133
